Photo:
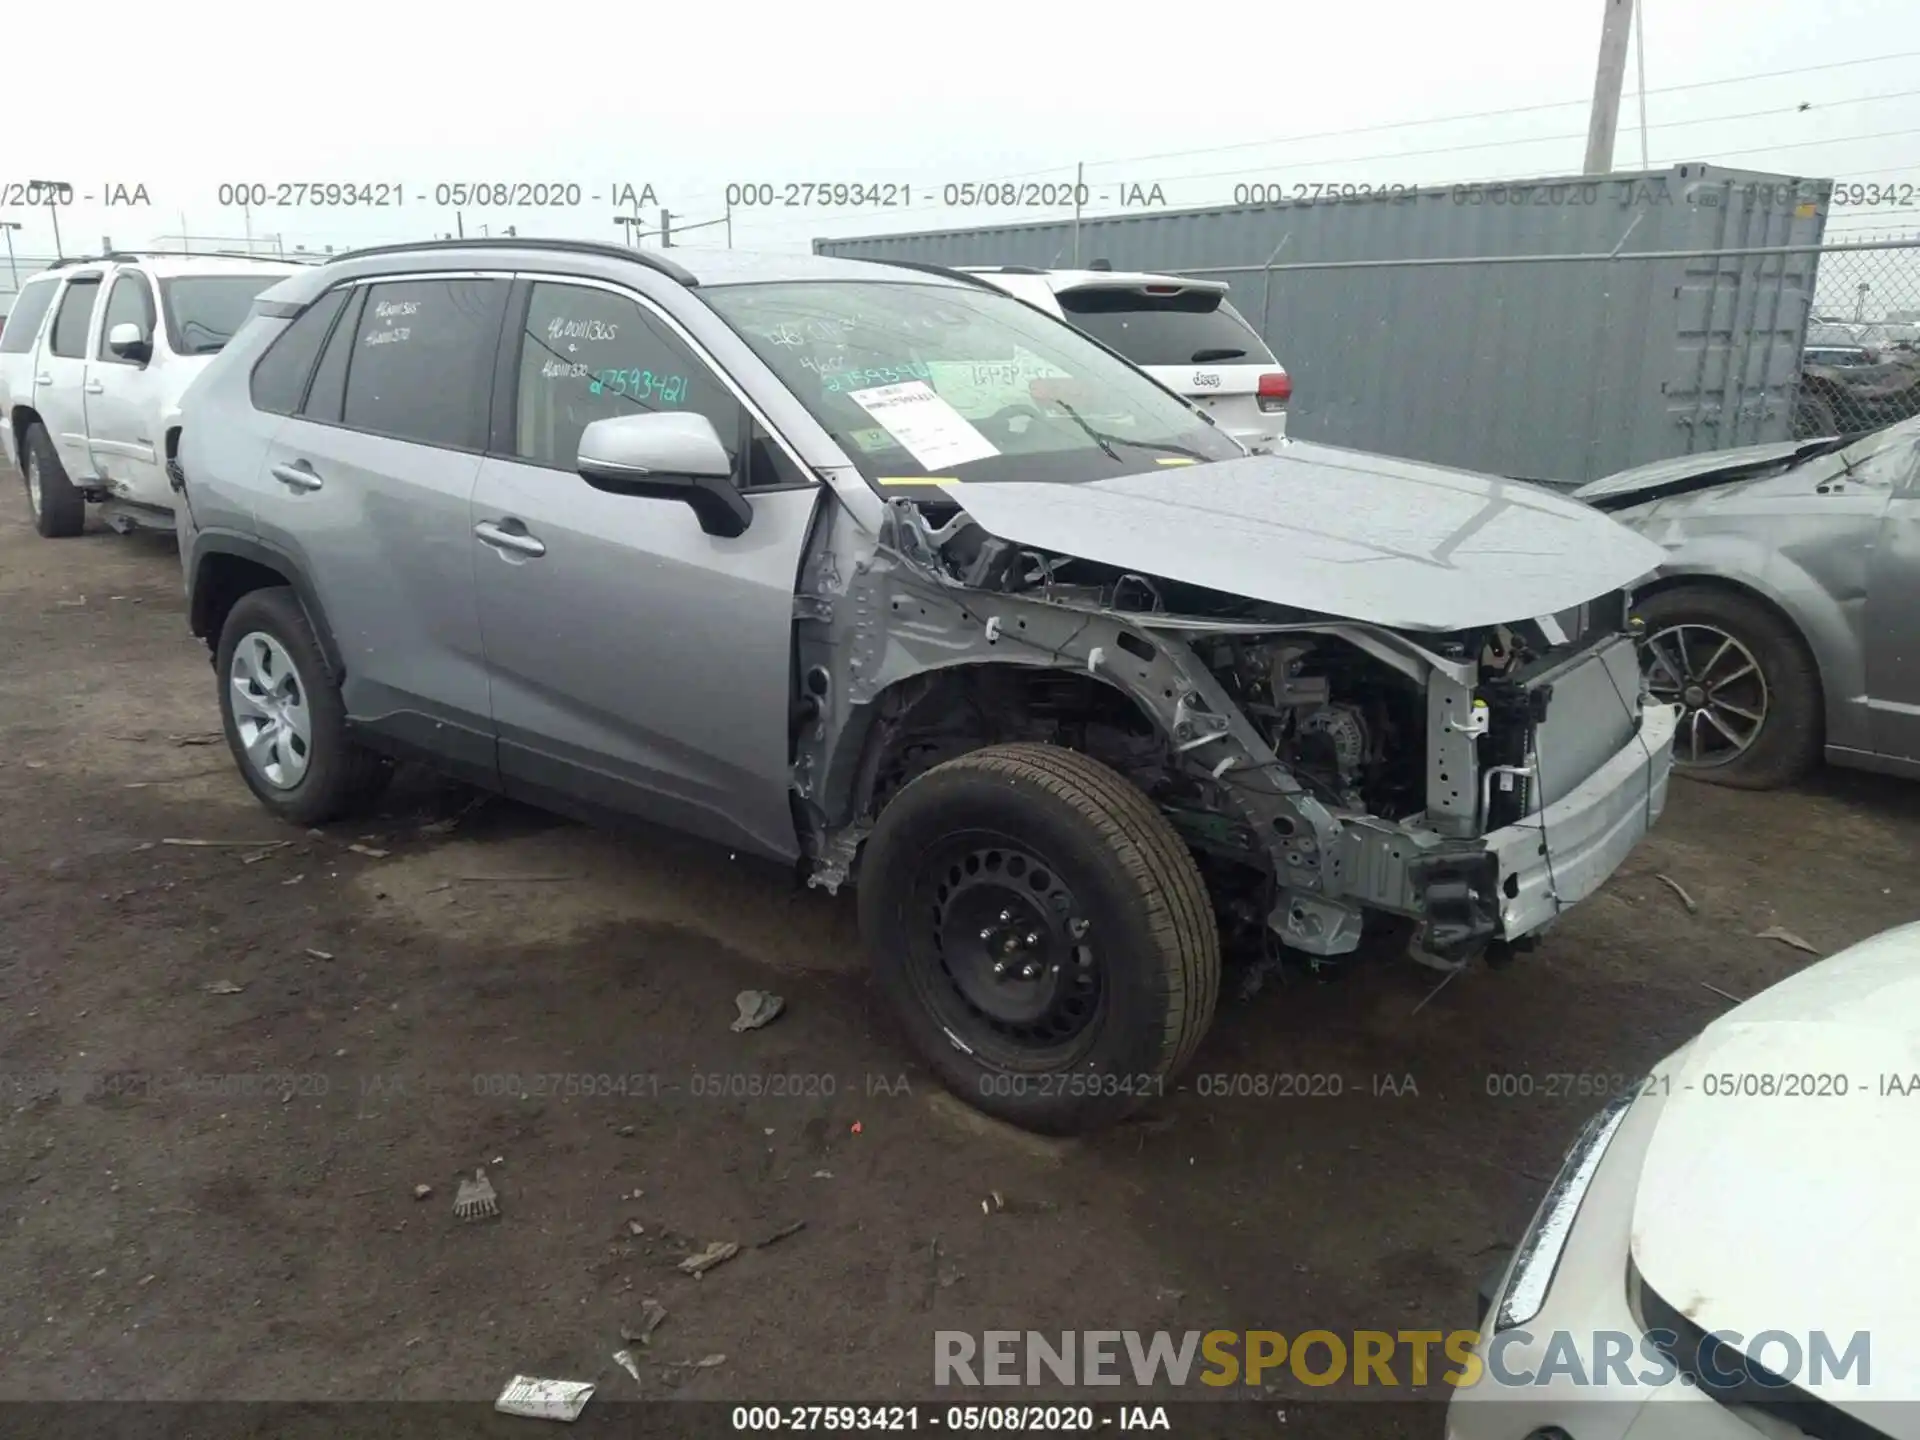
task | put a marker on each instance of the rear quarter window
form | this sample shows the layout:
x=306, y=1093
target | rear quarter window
x=279, y=382
x=23, y=324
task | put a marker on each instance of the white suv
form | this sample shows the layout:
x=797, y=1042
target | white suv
x=93, y=361
x=1179, y=330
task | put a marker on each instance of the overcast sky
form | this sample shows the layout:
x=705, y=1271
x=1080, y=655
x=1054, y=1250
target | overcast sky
x=182, y=100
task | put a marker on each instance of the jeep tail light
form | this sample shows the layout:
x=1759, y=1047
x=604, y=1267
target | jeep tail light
x=1273, y=391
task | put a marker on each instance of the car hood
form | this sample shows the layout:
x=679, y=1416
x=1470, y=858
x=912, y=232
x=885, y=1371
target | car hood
x=1333, y=531
x=1795, y=1212
x=1693, y=472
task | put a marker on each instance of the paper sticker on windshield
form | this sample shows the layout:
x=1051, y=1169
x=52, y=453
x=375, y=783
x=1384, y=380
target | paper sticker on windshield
x=927, y=427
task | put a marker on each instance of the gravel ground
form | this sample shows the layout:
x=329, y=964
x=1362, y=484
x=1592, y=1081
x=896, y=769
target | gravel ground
x=172, y=1236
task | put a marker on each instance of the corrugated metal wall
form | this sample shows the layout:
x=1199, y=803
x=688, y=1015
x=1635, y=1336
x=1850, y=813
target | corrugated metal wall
x=1527, y=349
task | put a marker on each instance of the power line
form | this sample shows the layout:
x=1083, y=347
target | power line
x=1409, y=124
x=1489, y=145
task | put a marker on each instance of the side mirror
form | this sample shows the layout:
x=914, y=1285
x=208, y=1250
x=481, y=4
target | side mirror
x=129, y=342
x=669, y=456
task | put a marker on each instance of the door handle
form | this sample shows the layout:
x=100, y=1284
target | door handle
x=519, y=542
x=94, y=387
x=43, y=379
x=298, y=476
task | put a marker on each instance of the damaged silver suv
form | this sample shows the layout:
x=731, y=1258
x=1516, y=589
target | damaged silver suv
x=879, y=571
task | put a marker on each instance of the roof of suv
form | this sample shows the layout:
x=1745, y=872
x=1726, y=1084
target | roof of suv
x=692, y=267
x=166, y=266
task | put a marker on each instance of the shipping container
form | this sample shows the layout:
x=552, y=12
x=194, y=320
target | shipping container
x=1555, y=329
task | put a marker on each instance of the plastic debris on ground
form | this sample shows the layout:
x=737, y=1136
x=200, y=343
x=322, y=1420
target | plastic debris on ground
x=624, y=1359
x=719, y=1252
x=475, y=1199
x=544, y=1399
x=1786, y=937
x=652, y=1312
x=757, y=1008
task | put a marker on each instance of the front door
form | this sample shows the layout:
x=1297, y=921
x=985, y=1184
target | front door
x=124, y=400
x=638, y=663
x=60, y=380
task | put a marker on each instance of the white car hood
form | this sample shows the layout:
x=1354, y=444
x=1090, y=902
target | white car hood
x=1333, y=531
x=1798, y=1213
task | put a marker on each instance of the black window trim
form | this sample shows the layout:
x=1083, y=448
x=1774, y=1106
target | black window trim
x=506, y=381
x=100, y=350
x=81, y=277
x=364, y=283
x=306, y=385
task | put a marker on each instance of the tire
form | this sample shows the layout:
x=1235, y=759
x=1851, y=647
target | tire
x=1031, y=841
x=59, y=510
x=1787, y=740
x=310, y=779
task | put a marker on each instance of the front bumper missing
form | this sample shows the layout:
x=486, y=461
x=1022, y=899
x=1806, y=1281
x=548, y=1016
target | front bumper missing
x=1566, y=851
x=1516, y=879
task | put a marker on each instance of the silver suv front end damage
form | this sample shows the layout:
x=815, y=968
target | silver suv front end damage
x=1474, y=785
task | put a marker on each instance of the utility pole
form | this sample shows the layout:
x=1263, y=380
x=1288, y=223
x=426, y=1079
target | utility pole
x=51, y=189
x=1079, y=178
x=459, y=225
x=1604, y=122
x=1640, y=74
x=9, y=226
x=631, y=224
x=666, y=227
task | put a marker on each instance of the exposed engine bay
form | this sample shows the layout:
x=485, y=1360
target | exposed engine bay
x=1317, y=767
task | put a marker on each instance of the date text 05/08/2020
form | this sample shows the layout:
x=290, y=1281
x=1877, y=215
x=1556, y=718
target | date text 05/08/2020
x=953, y=194
x=450, y=194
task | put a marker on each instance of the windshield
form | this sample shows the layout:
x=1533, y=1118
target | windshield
x=1192, y=327
x=929, y=382
x=205, y=311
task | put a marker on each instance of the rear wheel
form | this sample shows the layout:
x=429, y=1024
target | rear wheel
x=1748, y=689
x=284, y=720
x=1043, y=933
x=59, y=510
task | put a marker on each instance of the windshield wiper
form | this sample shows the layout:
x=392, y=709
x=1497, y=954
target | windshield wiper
x=1106, y=442
x=1209, y=357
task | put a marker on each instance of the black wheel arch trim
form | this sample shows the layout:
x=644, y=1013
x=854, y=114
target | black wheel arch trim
x=209, y=543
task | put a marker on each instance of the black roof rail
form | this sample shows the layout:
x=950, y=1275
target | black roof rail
x=607, y=248
x=1008, y=269
x=927, y=267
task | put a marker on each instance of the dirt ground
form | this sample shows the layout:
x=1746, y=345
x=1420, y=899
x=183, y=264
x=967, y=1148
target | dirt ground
x=169, y=1235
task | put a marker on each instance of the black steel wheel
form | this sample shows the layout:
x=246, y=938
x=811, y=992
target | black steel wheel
x=1043, y=934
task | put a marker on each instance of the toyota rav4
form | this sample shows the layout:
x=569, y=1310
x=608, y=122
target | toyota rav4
x=879, y=571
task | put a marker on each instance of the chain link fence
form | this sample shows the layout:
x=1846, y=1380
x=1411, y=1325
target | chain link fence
x=1860, y=367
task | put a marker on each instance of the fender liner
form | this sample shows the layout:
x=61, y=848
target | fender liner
x=248, y=547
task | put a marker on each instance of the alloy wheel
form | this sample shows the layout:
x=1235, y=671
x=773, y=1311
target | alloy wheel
x=270, y=711
x=1718, y=685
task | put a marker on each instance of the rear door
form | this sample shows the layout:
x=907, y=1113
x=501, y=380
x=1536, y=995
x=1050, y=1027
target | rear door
x=60, y=380
x=1192, y=341
x=369, y=488
x=19, y=352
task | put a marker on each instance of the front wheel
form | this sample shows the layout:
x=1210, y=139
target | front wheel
x=1748, y=690
x=1043, y=933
